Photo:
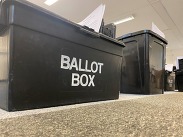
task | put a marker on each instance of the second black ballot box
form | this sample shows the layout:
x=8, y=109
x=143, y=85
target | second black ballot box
x=143, y=63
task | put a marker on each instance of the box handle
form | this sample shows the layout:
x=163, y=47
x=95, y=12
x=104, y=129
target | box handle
x=90, y=32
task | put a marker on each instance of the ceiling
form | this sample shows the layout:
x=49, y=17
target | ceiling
x=166, y=14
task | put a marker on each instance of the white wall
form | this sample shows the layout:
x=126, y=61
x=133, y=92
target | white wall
x=171, y=55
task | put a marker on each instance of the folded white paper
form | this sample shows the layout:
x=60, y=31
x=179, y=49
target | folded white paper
x=94, y=20
x=157, y=30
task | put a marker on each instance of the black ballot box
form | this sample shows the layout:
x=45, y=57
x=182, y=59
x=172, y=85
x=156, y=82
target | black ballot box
x=46, y=60
x=143, y=63
x=179, y=79
x=179, y=74
x=169, y=79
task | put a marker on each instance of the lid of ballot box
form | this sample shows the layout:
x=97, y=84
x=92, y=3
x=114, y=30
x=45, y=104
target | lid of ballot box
x=143, y=32
x=28, y=15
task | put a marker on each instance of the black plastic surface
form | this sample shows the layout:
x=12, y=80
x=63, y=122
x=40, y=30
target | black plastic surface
x=109, y=30
x=169, y=81
x=33, y=75
x=180, y=62
x=144, y=32
x=179, y=80
x=143, y=63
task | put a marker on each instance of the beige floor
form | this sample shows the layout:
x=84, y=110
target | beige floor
x=130, y=116
x=4, y=114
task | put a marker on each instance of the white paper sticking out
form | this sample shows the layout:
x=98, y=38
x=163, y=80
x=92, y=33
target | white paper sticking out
x=94, y=20
x=169, y=67
x=177, y=61
x=157, y=30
